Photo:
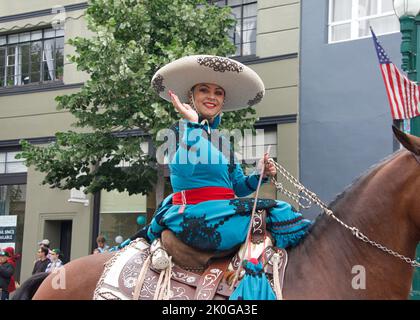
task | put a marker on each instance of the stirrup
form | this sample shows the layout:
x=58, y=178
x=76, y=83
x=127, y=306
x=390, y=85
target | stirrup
x=160, y=258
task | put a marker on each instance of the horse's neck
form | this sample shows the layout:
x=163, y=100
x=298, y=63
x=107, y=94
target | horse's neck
x=331, y=262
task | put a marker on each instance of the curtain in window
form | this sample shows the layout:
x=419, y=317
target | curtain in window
x=382, y=24
x=341, y=10
x=368, y=8
x=18, y=66
x=48, y=57
x=2, y=69
x=249, y=31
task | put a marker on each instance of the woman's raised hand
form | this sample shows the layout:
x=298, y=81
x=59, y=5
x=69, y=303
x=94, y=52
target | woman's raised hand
x=184, y=109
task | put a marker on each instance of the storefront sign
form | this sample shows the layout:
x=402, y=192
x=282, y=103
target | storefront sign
x=8, y=231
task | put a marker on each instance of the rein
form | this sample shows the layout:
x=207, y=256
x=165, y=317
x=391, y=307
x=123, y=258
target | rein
x=310, y=197
x=248, y=236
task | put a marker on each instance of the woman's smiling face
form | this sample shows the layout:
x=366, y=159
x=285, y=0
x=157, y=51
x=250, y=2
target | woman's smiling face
x=208, y=99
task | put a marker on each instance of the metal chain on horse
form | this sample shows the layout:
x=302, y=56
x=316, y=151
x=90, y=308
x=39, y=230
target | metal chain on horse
x=311, y=197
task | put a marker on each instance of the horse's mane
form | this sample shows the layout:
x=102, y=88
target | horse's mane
x=322, y=219
x=28, y=289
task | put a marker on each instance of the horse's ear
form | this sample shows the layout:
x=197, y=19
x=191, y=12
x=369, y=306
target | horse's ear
x=410, y=142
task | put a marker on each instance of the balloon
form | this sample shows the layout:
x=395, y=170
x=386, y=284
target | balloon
x=119, y=239
x=141, y=220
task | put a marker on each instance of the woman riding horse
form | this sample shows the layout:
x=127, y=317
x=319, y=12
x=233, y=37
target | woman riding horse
x=205, y=176
x=383, y=204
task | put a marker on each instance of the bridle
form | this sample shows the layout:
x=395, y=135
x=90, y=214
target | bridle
x=310, y=197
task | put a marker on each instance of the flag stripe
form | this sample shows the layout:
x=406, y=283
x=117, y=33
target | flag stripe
x=399, y=94
x=412, y=100
x=408, y=99
x=393, y=110
x=403, y=94
x=390, y=99
x=391, y=93
x=406, y=95
x=392, y=90
x=416, y=101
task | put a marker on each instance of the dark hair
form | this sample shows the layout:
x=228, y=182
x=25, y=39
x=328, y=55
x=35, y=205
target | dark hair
x=101, y=239
x=45, y=250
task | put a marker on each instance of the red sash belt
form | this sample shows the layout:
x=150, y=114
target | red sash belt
x=198, y=195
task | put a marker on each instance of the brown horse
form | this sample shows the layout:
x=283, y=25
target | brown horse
x=330, y=263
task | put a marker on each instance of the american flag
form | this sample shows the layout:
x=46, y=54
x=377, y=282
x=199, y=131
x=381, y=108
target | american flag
x=403, y=94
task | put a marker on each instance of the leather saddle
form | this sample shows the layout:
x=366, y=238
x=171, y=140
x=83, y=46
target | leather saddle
x=195, y=275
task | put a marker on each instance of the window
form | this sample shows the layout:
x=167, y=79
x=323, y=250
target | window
x=12, y=219
x=253, y=148
x=351, y=19
x=244, y=35
x=31, y=57
x=121, y=215
x=9, y=163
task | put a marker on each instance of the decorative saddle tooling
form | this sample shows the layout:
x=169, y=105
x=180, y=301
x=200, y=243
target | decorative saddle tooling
x=131, y=275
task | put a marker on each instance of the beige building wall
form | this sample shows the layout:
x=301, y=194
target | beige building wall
x=278, y=27
x=34, y=114
x=45, y=205
x=8, y=8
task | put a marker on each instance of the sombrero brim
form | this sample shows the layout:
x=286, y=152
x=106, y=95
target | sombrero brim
x=243, y=87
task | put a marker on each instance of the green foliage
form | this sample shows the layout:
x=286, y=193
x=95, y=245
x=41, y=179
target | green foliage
x=132, y=39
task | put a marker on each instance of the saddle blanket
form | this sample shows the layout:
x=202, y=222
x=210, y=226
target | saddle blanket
x=121, y=274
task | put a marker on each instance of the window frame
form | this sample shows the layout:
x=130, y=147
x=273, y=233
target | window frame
x=354, y=21
x=241, y=44
x=247, y=149
x=4, y=172
x=42, y=40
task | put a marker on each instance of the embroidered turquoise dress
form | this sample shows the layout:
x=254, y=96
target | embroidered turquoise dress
x=198, y=159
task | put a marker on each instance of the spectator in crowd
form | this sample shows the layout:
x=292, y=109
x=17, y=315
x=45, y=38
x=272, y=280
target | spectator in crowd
x=13, y=258
x=102, y=246
x=6, y=273
x=42, y=263
x=55, y=263
x=46, y=243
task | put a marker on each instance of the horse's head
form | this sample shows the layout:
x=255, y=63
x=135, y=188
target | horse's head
x=412, y=144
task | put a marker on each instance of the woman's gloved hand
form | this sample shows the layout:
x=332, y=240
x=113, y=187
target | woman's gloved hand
x=269, y=168
x=186, y=111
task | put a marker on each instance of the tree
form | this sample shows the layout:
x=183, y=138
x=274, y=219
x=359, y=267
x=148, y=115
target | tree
x=132, y=39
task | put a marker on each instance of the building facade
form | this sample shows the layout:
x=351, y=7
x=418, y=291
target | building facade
x=345, y=120
x=34, y=71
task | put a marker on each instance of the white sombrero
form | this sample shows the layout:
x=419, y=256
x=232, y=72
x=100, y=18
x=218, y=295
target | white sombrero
x=243, y=86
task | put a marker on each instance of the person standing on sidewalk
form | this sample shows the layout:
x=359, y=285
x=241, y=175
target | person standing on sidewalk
x=6, y=273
